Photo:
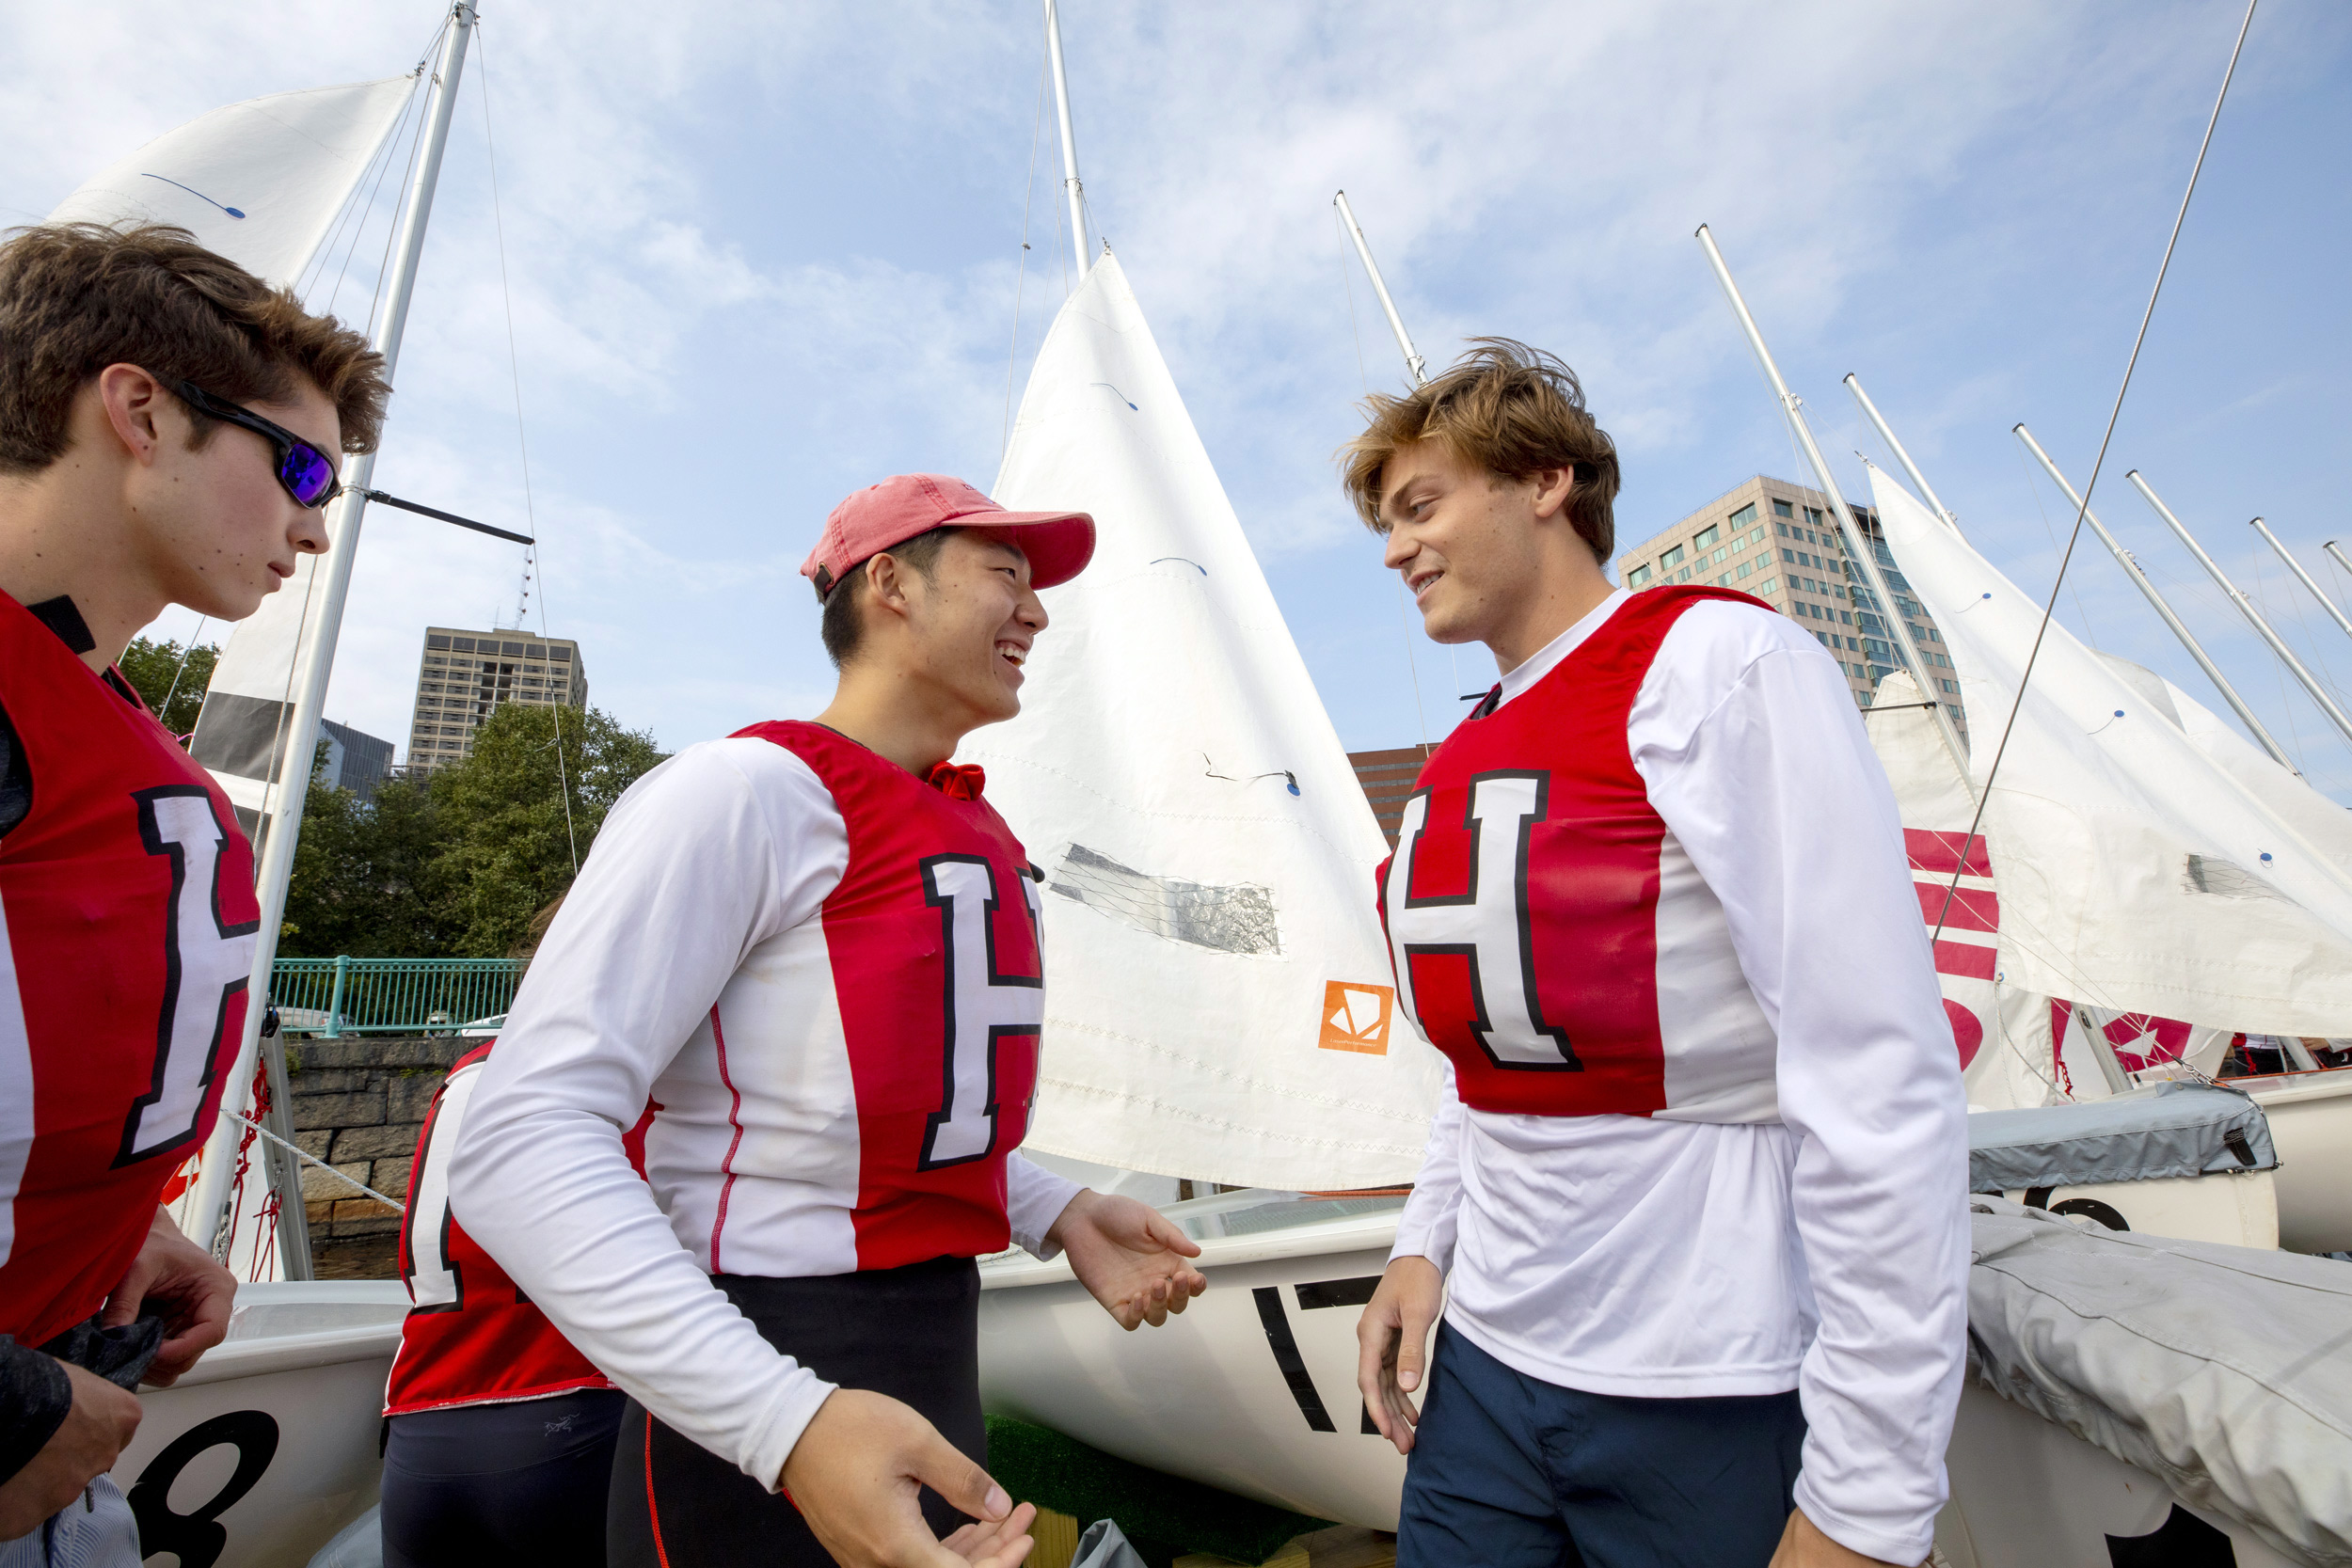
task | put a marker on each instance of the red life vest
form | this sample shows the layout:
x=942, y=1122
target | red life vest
x=1547, y=930
x=851, y=1101
x=127, y=921
x=470, y=1336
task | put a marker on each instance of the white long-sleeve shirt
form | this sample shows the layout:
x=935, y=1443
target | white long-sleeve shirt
x=1826, y=1250
x=690, y=966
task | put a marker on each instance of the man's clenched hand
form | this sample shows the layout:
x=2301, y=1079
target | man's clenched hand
x=1130, y=1256
x=96, y=1430
x=193, y=1294
x=1393, y=1345
x=857, y=1476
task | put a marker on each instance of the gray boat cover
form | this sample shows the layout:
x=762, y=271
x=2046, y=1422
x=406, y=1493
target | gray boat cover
x=2174, y=1128
x=2224, y=1371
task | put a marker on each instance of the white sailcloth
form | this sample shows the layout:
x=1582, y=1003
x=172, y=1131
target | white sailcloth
x=2138, y=875
x=262, y=182
x=1218, y=998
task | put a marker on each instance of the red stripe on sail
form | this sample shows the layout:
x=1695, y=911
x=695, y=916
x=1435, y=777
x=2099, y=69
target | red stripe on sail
x=1934, y=851
x=1966, y=959
x=1972, y=909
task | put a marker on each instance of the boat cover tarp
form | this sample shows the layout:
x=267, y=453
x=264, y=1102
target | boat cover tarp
x=2224, y=1371
x=2173, y=1128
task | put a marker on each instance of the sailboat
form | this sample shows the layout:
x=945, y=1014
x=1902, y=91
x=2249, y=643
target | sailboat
x=270, y=1445
x=2135, y=1392
x=1220, y=1011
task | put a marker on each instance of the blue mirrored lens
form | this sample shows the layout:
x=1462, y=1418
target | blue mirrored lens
x=307, y=474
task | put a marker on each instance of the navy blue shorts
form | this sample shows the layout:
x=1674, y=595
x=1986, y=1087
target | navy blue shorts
x=1509, y=1471
x=486, y=1485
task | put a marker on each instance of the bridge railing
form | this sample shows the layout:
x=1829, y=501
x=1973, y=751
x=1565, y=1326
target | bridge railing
x=386, y=996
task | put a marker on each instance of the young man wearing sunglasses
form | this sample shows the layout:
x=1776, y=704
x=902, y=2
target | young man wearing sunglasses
x=814, y=947
x=168, y=424
x=1698, y=1181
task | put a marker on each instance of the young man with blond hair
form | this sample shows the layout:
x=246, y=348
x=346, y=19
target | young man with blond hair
x=814, y=947
x=169, y=426
x=1697, y=1182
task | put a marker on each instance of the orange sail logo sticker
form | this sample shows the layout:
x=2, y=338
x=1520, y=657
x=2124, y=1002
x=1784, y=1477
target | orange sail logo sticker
x=1355, y=1017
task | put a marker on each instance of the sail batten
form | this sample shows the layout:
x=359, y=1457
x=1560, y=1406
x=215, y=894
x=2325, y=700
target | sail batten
x=1220, y=1004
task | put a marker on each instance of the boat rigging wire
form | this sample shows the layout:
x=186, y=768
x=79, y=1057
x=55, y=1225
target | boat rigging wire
x=1021, y=277
x=2075, y=535
x=1403, y=609
x=522, y=443
x=2073, y=590
x=308, y=1158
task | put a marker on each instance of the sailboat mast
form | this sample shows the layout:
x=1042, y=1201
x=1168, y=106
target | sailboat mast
x=1886, y=433
x=1857, y=542
x=2246, y=606
x=2309, y=582
x=2138, y=575
x=284, y=824
x=1072, y=191
x=1413, y=361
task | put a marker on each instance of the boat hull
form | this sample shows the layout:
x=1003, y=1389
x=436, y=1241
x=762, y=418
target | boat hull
x=1252, y=1389
x=273, y=1442
x=2311, y=1122
x=2028, y=1494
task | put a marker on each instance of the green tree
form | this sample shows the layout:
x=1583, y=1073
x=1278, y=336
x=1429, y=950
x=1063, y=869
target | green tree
x=504, y=846
x=363, y=879
x=175, y=690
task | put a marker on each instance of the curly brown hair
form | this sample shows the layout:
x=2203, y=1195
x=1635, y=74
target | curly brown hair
x=1512, y=409
x=77, y=297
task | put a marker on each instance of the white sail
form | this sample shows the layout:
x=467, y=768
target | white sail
x=262, y=182
x=2137, y=875
x=1218, y=997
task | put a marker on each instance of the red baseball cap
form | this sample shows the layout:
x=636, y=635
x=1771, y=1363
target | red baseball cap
x=1058, y=544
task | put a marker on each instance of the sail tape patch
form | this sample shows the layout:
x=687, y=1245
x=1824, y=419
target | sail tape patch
x=2209, y=874
x=1239, y=918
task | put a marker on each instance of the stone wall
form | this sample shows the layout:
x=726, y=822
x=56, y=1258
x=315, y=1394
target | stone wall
x=359, y=1104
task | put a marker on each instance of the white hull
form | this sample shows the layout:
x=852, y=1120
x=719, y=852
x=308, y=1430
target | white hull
x=282, y=1420
x=1207, y=1398
x=2028, y=1494
x=2311, y=1122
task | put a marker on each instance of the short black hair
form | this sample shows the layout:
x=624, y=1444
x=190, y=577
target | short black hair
x=842, y=627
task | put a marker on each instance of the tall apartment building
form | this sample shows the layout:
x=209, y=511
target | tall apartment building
x=1768, y=538
x=466, y=673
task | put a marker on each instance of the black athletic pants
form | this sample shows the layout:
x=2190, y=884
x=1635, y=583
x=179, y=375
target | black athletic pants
x=912, y=1332
x=501, y=1485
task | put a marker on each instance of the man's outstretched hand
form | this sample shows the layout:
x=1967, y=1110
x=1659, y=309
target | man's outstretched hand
x=857, y=1476
x=1393, y=1345
x=1130, y=1256
x=179, y=1281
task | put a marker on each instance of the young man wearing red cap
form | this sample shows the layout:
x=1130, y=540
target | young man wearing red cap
x=1698, y=1182
x=812, y=946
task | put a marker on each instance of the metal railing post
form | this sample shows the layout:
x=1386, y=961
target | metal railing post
x=335, y=1004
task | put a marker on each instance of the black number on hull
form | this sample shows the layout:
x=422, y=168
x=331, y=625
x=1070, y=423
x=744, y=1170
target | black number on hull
x=2183, y=1541
x=197, y=1539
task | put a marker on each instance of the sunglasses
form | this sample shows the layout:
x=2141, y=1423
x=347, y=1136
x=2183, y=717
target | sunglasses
x=308, y=473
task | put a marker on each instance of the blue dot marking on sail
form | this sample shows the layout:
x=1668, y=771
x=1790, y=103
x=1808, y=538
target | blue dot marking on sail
x=193, y=192
x=1115, y=392
x=1194, y=564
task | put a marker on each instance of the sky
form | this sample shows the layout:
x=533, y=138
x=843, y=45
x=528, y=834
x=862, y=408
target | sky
x=754, y=257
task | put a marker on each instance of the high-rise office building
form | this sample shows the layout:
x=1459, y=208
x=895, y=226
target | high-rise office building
x=465, y=675
x=1768, y=538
